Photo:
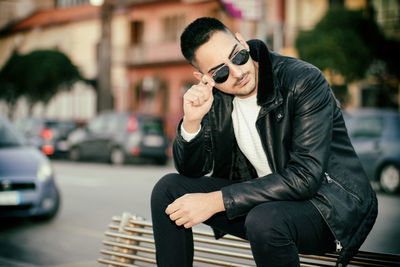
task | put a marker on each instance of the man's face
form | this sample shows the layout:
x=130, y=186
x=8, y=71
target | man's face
x=219, y=51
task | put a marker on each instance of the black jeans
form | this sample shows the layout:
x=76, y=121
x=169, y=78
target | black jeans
x=278, y=231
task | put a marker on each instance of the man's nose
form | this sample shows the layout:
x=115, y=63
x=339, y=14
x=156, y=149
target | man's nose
x=236, y=71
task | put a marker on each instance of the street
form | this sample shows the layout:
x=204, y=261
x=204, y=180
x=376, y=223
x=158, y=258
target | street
x=93, y=192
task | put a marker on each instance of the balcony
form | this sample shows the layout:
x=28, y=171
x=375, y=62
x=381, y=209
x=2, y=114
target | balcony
x=155, y=53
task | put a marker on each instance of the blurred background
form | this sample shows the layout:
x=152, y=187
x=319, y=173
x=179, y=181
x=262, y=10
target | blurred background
x=85, y=83
x=124, y=55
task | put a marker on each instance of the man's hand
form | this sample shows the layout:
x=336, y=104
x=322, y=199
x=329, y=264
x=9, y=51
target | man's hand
x=192, y=209
x=197, y=102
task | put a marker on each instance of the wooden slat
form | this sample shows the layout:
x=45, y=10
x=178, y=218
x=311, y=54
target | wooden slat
x=221, y=243
x=314, y=265
x=316, y=257
x=224, y=253
x=128, y=256
x=130, y=237
x=138, y=230
x=113, y=227
x=127, y=246
x=115, y=263
x=116, y=219
x=218, y=262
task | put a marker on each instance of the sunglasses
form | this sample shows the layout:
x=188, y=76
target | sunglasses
x=222, y=74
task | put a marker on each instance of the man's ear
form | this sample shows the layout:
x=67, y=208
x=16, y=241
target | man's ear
x=197, y=75
x=241, y=40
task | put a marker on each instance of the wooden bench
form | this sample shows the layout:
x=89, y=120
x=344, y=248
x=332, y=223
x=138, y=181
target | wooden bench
x=129, y=243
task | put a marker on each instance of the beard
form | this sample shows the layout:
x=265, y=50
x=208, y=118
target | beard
x=246, y=91
x=243, y=94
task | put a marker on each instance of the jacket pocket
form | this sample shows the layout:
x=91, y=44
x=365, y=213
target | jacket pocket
x=333, y=181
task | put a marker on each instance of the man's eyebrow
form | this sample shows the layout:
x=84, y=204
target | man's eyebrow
x=220, y=65
x=216, y=67
x=233, y=50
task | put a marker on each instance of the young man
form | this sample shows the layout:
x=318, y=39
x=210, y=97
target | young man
x=284, y=174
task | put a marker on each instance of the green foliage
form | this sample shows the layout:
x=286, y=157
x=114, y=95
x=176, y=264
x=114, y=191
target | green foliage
x=11, y=84
x=38, y=75
x=344, y=41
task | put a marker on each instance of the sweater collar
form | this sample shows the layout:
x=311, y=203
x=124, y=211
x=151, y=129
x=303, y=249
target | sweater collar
x=259, y=52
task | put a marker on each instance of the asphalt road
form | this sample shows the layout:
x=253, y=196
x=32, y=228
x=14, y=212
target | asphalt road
x=92, y=193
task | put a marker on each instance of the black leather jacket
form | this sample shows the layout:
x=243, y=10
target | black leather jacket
x=306, y=142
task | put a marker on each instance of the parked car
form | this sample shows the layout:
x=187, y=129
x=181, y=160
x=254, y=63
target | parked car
x=48, y=135
x=119, y=137
x=27, y=185
x=375, y=135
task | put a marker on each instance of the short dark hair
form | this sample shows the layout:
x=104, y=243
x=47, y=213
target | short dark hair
x=197, y=33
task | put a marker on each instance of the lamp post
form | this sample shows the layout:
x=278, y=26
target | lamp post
x=105, y=99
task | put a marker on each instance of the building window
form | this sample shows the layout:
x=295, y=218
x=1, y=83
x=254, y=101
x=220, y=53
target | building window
x=388, y=16
x=151, y=96
x=137, y=32
x=173, y=26
x=67, y=3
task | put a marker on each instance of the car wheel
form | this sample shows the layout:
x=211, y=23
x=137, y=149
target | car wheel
x=389, y=178
x=75, y=154
x=117, y=156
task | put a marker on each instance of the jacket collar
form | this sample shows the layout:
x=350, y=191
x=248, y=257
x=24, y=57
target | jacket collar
x=267, y=93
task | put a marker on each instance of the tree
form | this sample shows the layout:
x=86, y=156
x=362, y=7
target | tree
x=344, y=42
x=49, y=72
x=11, y=85
x=38, y=76
x=350, y=43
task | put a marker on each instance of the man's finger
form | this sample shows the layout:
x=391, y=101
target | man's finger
x=201, y=95
x=181, y=221
x=171, y=209
x=188, y=225
x=176, y=215
x=208, y=81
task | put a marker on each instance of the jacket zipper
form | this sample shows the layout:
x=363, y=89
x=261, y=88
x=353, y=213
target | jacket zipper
x=339, y=246
x=330, y=180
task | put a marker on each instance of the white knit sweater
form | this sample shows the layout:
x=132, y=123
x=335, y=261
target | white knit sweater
x=244, y=116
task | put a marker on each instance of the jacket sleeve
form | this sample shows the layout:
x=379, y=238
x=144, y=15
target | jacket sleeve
x=194, y=158
x=309, y=151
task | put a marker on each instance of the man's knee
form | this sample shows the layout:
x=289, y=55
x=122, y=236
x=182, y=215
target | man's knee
x=267, y=223
x=164, y=185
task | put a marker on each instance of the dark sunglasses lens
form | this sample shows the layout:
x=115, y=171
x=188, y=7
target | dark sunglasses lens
x=241, y=57
x=221, y=75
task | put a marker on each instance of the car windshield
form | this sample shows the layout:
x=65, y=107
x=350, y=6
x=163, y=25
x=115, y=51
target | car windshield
x=9, y=136
x=366, y=126
x=62, y=127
